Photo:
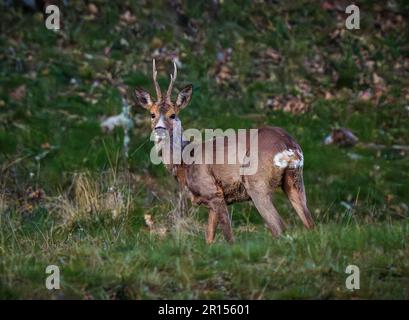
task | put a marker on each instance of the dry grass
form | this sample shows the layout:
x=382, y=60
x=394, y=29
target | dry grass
x=109, y=194
x=89, y=196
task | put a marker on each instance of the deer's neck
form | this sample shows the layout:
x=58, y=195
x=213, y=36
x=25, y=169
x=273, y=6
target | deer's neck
x=172, y=158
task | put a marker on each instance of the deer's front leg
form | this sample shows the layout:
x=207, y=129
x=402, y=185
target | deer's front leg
x=212, y=223
x=219, y=206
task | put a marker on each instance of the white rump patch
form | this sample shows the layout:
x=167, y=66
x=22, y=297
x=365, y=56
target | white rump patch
x=289, y=158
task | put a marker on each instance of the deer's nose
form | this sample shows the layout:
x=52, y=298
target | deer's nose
x=160, y=124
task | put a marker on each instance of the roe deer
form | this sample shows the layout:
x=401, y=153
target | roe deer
x=280, y=164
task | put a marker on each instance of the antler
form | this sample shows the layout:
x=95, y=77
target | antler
x=172, y=81
x=155, y=73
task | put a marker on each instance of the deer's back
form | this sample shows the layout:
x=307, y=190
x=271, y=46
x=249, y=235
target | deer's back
x=276, y=152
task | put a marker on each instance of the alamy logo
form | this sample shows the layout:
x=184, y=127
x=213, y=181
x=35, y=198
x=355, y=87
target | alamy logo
x=352, y=22
x=352, y=281
x=53, y=20
x=53, y=281
x=217, y=147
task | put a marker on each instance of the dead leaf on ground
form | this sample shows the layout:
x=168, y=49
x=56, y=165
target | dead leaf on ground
x=35, y=195
x=406, y=93
x=315, y=64
x=273, y=55
x=265, y=61
x=291, y=104
x=328, y=95
x=303, y=87
x=159, y=230
x=92, y=9
x=127, y=18
x=223, y=74
x=365, y=95
x=45, y=145
x=380, y=87
x=222, y=69
x=149, y=221
x=19, y=93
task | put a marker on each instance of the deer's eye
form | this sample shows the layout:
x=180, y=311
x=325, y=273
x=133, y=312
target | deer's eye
x=173, y=116
x=153, y=115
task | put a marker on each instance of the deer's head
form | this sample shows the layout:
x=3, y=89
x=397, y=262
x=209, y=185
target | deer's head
x=164, y=111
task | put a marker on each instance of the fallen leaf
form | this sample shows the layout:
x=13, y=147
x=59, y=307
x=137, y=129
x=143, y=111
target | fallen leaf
x=223, y=74
x=107, y=51
x=328, y=95
x=365, y=95
x=291, y=104
x=149, y=221
x=19, y=93
x=223, y=71
x=92, y=9
x=36, y=195
x=127, y=18
x=273, y=55
x=45, y=145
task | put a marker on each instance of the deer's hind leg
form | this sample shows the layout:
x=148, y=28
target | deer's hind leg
x=269, y=213
x=293, y=186
x=212, y=222
x=261, y=194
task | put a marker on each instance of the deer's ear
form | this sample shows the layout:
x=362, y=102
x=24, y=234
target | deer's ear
x=143, y=98
x=184, y=97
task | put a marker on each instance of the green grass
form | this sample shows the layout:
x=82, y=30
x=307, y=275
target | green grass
x=117, y=260
x=358, y=196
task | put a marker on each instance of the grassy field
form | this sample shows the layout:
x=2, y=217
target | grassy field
x=69, y=196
